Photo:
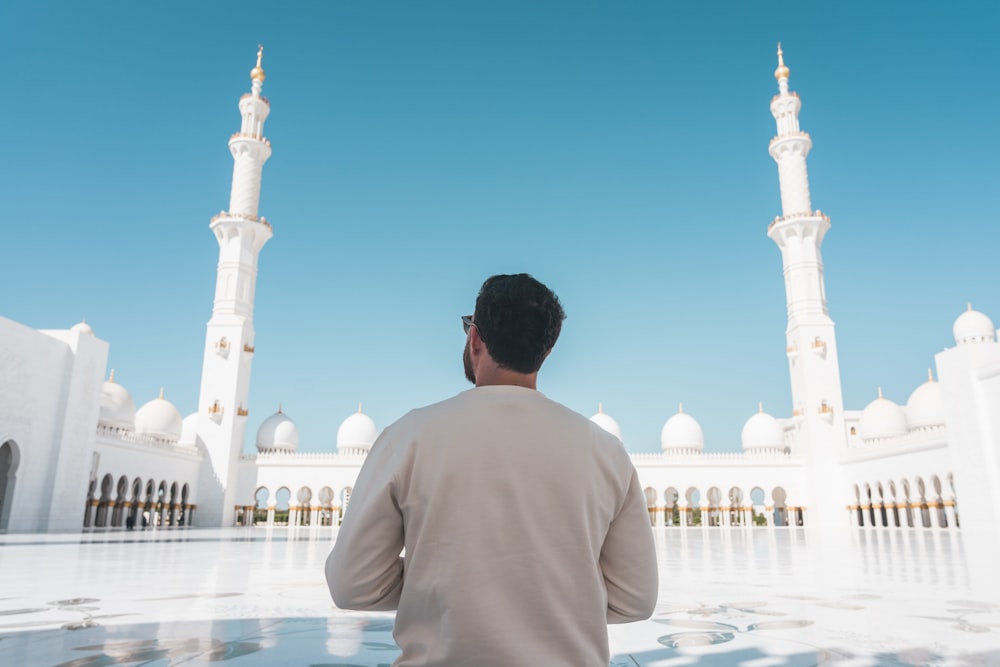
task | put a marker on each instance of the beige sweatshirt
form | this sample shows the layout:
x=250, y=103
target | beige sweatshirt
x=525, y=531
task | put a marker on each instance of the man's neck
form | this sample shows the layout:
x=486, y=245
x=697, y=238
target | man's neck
x=501, y=376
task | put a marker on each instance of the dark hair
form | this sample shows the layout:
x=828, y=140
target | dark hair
x=519, y=320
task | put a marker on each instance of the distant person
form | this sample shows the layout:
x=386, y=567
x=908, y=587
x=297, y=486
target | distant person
x=526, y=531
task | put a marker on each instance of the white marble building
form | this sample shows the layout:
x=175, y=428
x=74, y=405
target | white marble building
x=75, y=452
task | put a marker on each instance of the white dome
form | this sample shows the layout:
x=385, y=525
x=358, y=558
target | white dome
x=189, y=430
x=117, y=406
x=356, y=432
x=160, y=419
x=608, y=423
x=682, y=432
x=882, y=419
x=762, y=431
x=278, y=432
x=973, y=327
x=83, y=328
x=925, y=406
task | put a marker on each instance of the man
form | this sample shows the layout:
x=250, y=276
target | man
x=524, y=526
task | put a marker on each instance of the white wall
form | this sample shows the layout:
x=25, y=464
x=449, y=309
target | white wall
x=50, y=387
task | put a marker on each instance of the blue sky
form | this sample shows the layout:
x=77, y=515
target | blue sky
x=617, y=151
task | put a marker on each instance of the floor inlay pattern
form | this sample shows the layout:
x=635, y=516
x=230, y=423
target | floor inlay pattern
x=759, y=598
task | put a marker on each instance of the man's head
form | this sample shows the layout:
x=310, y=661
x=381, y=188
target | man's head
x=518, y=319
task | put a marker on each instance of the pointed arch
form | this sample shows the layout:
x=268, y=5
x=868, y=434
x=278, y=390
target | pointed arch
x=10, y=459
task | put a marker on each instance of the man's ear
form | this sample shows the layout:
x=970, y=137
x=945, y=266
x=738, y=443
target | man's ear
x=474, y=339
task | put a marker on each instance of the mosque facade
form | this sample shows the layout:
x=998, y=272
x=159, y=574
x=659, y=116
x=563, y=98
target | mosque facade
x=75, y=453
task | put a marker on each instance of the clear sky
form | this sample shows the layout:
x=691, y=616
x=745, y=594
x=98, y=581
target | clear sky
x=617, y=151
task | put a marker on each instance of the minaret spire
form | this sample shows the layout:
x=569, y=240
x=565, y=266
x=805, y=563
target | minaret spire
x=225, y=377
x=781, y=74
x=257, y=73
x=814, y=368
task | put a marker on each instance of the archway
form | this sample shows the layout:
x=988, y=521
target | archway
x=870, y=504
x=714, y=517
x=118, y=513
x=758, y=506
x=925, y=510
x=907, y=504
x=281, y=499
x=133, y=512
x=260, y=505
x=303, y=516
x=894, y=503
x=345, y=498
x=779, y=495
x=954, y=498
x=736, y=509
x=326, y=506
x=670, y=502
x=940, y=515
x=857, y=504
x=651, y=504
x=9, y=459
x=107, y=487
x=881, y=505
x=693, y=497
x=185, y=492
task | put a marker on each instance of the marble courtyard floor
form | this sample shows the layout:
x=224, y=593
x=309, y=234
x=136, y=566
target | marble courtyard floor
x=255, y=596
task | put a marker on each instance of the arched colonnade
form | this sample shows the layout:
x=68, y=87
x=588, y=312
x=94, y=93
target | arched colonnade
x=691, y=507
x=137, y=504
x=905, y=504
x=325, y=507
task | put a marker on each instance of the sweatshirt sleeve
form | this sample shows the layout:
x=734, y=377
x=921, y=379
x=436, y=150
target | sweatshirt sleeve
x=364, y=571
x=628, y=560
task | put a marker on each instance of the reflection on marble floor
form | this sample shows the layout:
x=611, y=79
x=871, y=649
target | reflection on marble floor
x=759, y=598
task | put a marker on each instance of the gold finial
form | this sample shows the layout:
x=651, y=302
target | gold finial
x=930, y=375
x=760, y=408
x=279, y=407
x=359, y=407
x=257, y=73
x=161, y=393
x=111, y=378
x=782, y=71
x=600, y=408
x=880, y=392
x=680, y=408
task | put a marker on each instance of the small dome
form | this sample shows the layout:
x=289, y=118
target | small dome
x=82, y=328
x=117, y=406
x=882, y=419
x=682, y=432
x=278, y=432
x=160, y=419
x=762, y=431
x=189, y=430
x=608, y=423
x=356, y=432
x=925, y=406
x=973, y=327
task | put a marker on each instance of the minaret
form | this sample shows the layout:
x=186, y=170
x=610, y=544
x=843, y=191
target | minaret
x=811, y=344
x=229, y=341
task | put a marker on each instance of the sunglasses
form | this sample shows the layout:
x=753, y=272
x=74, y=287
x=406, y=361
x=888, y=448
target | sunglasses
x=467, y=323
